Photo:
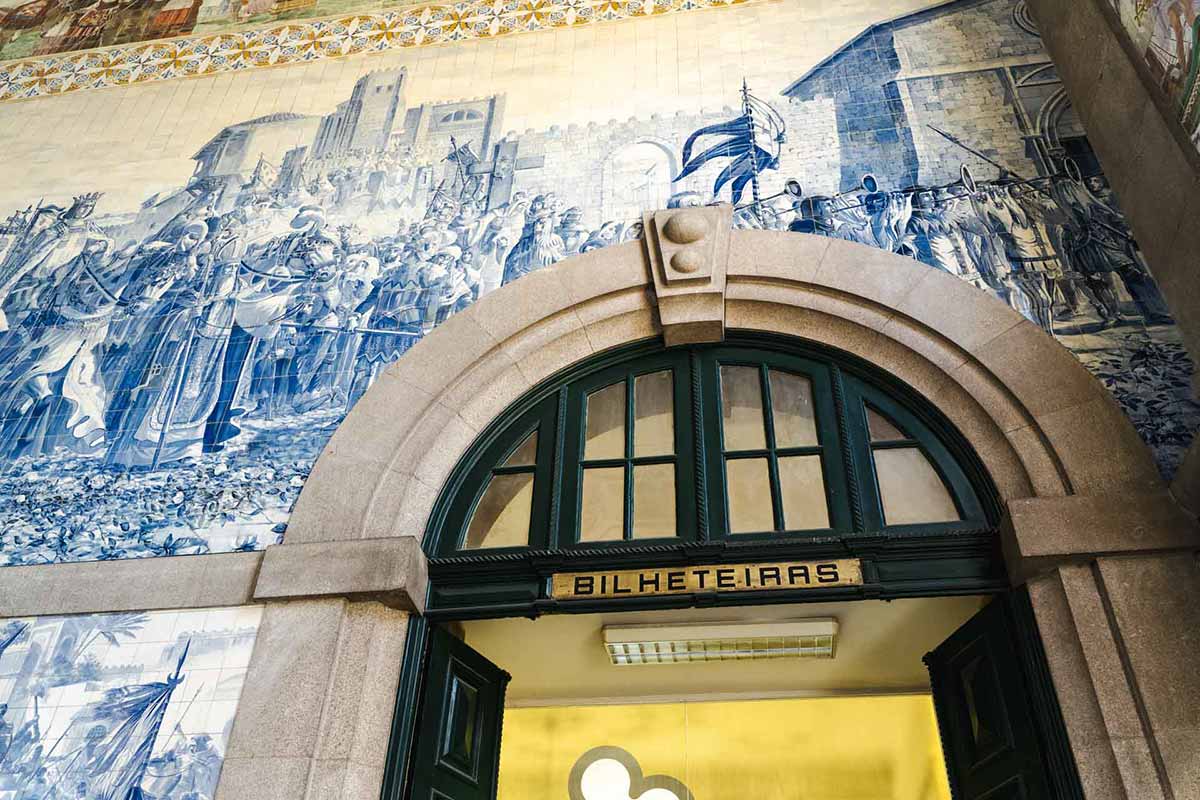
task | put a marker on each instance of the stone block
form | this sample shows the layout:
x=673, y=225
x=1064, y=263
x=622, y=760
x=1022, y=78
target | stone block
x=780, y=255
x=1185, y=487
x=284, y=694
x=1156, y=604
x=954, y=309
x=1178, y=278
x=144, y=584
x=520, y=304
x=1094, y=757
x=1041, y=532
x=1058, y=382
x=362, y=690
x=544, y=349
x=1087, y=436
x=868, y=272
x=688, y=252
x=390, y=570
x=604, y=271
x=262, y=778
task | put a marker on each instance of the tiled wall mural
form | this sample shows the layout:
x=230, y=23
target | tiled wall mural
x=199, y=278
x=1167, y=34
x=120, y=705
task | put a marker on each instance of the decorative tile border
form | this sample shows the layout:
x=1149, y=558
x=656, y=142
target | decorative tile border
x=292, y=43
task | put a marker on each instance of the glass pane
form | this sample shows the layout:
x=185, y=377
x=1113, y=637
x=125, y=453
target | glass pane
x=525, y=455
x=653, y=500
x=882, y=428
x=749, y=487
x=460, y=734
x=502, y=517
x=602, y=512
x=911, y=489
x=802, y=486
x=605, y=437
x=741, y=409
x=653, y=414
x=792, y=406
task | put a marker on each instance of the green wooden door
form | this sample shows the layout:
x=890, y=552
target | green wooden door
x=989, y=732
x=457, y=746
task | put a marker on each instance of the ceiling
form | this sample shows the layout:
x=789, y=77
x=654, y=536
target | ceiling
x=560, y=659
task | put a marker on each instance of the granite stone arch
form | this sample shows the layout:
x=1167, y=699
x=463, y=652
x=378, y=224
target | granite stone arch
x=1106, y=553
x=1043, y=426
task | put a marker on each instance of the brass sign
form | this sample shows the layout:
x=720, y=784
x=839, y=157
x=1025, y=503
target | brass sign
x=710, y=578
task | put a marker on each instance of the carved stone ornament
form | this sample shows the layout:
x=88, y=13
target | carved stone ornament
x=687, y=250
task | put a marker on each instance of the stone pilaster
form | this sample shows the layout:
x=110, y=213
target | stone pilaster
x=315, y=715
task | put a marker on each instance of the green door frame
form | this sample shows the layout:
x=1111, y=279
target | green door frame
x=909, y=561
x=1051, y=731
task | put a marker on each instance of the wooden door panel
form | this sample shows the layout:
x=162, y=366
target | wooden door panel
x=992, y=747
x=456, y=750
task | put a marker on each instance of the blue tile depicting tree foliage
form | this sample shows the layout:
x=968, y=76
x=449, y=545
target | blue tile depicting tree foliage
x=120, y=706
x=170, y=372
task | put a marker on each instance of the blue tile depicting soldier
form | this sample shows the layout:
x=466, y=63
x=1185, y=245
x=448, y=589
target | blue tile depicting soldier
x=271, y=291
x=1048, y=246
x=133, y=737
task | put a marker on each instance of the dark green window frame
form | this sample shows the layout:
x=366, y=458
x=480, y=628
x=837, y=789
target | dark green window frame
x=574, y=463
x=842, y=388
x=826, y=413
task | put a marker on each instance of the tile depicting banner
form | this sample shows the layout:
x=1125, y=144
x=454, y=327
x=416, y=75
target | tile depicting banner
x=120, y=705
x=199, y=278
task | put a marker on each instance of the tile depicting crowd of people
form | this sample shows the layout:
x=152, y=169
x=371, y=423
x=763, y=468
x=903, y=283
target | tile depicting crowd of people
x=169, y=375
x=127, y=706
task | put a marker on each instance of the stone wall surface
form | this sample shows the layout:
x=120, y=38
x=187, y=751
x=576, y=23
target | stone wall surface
x=1114, y=630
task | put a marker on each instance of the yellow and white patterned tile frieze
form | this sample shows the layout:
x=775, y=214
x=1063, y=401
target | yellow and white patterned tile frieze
x=311, y=40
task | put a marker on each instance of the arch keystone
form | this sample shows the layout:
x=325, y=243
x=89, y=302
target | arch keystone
x=688, y=251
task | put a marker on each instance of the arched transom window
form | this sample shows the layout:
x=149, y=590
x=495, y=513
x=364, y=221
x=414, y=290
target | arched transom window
x=750, y=440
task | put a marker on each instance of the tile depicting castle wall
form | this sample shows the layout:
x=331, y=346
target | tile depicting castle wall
x=199, y=278
x=1166, y=33
x=120, y=705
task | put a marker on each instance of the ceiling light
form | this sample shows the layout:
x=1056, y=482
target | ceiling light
x=678, y=644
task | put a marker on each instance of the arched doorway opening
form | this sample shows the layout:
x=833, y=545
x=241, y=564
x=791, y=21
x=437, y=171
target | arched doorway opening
x=384, y=470
x=739, y=510
x=636, y=176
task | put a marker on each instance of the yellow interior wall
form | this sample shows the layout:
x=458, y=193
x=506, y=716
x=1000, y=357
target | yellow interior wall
x=845, y=748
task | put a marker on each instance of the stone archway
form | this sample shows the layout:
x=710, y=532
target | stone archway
x=1042, y=425
x=636, y=175
x=1106, y=553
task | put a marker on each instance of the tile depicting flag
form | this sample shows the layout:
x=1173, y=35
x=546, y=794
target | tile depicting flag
x=118, y=706
x=198, y=279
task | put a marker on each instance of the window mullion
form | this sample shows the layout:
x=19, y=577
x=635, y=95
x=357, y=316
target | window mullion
x=603, y=462
x=808, y=450
x=764, y=379
x=733, y=455
x=894, y=444
x=514, y=470
x=629, y=416
x=563, y=521
x=649, y=460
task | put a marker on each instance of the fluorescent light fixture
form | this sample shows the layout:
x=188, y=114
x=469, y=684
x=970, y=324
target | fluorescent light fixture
x=704, y=641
